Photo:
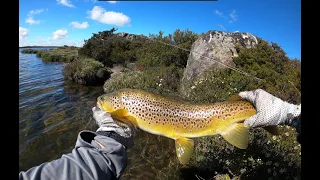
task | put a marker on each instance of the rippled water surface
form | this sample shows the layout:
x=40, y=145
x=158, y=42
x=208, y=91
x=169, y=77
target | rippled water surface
x=52, y=112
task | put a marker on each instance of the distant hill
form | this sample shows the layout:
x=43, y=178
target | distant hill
x=39, y=46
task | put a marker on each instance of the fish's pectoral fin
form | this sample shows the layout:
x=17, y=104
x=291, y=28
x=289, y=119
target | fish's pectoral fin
x=184, y=149
x=235, y=97
x=120, y=113
x=132, y=120
x=237, y=135
x=272, y=130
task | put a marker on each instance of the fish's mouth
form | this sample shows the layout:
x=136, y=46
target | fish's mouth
x=99, y=105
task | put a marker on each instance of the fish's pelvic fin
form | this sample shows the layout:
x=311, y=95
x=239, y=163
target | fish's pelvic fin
x=184, y=149
x=237, y=135
x=235, y=97
x=272, y=130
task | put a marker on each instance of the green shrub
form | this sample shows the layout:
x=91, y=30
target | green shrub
x=60, y=54
x=29, y=51
x=84, y=71
x=154, y=53
x=163, y=80
x=108, y=48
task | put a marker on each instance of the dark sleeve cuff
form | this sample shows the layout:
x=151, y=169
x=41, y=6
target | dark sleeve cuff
x=296, y=122
x=127, y=142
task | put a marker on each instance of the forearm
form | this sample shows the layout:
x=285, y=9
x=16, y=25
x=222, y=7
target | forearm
x=88, y=160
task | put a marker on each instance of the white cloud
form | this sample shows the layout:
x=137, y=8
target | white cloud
x=60, y=34
x=23, y=33
x=108, y=17
x=224, y=29
x=31, y=21
x=112, y=2
x=34, y=12
x=78, y=25
x=233, y=16
x=78, y=43
x=65, y=3
x=30, y=15
x=218, y=13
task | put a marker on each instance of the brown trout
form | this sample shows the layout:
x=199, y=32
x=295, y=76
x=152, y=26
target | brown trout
x=180, y=120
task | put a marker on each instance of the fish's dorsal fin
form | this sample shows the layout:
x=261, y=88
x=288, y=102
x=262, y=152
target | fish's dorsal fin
x=272, y=130
x=184, y=149
x=235, y=97
x=237, y=135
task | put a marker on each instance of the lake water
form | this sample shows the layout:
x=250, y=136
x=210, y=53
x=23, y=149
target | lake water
x=52, y=112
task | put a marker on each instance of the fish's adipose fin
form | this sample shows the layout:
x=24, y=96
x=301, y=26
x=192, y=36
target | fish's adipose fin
x=184, y=149
x=237, y=135
x=272, y=130
x=235, y=97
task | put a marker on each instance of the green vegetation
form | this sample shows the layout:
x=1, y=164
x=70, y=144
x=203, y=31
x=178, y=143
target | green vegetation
x=59, y=54
x=86, y=71
x=268, y=156
x=154, y=53
x=110, y=48
x=163, y=80
x=29, y=51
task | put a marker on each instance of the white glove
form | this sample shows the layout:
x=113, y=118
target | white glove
x=106, y=123
x=270, y=109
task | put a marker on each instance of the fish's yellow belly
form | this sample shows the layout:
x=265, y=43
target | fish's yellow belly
x=173, y=129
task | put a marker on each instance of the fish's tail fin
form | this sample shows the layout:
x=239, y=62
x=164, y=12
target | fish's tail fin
x=237, y=135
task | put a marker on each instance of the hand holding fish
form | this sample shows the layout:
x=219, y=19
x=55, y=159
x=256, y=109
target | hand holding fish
x=271, y=111
x=107, y=125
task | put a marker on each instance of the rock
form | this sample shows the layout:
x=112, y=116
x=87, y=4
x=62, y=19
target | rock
x=211, y=51
x=101, y=76
x=130, y=36
x=131, y=66
x=103, y=73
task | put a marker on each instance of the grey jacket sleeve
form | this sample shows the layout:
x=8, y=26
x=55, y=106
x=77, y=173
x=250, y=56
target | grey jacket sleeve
x=297, y=124
x=87, y=161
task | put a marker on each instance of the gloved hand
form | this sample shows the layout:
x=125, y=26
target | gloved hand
x=108, y=127
x=271, y=110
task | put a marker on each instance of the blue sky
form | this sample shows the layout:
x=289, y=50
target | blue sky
x=59, y=22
